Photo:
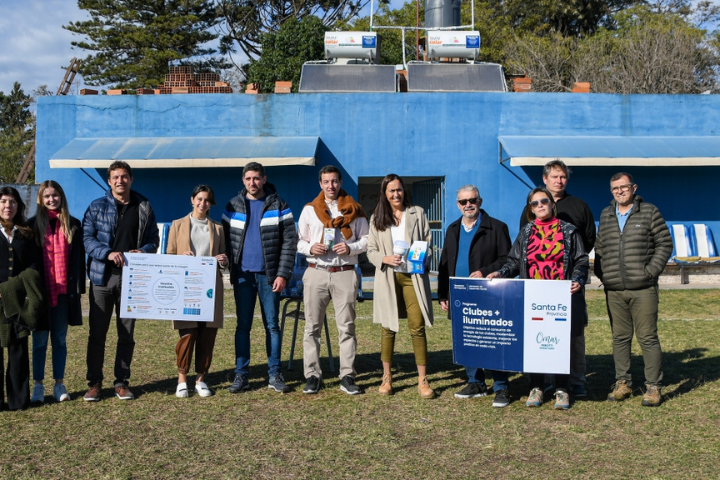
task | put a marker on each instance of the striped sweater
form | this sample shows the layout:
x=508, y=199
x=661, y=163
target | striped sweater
x=277, y=233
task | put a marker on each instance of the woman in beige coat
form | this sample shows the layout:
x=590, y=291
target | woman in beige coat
x=398, y=293
x=197, y=234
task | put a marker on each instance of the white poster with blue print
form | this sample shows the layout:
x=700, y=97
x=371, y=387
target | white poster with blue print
x=512, y=325
x=168, y=287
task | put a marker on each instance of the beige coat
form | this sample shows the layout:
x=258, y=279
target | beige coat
x=179, y=242
x=380, y=244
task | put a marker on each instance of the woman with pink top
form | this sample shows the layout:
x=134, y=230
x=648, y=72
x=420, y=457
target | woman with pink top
x=549, y=249
x=60, y=239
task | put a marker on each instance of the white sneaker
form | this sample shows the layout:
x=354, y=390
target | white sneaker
x=60, y=393
x=181, y=391
x=38, y=395
x=202, y=389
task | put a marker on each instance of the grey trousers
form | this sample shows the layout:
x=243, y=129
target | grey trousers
x=319, y=288
x=103, y=300
x=635, y=310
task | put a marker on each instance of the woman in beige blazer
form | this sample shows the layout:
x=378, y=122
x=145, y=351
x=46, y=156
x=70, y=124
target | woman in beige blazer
x=197, y=234
x=397, y=293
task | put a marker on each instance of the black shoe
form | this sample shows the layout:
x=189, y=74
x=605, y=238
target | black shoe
x=502, y=398
x=347, y=385
x=473, y=390
x=240, y=384
x=313, y=385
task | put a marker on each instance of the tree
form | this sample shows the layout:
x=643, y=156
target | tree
x=245, y=21
x=285, y=51
x=17, y=132
x=135, y=40
x=648, y=52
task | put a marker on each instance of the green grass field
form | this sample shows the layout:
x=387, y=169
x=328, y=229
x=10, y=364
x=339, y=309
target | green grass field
x=262, y=434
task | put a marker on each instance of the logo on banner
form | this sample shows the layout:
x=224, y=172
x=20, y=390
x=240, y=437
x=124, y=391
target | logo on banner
x=458, y=303
x=547, y=342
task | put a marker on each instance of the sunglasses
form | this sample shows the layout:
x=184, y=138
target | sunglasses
x=465, y=201
x=535, y=203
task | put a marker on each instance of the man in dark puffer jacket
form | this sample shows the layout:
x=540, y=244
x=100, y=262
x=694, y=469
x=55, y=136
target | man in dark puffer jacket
x=261, y=240
x=633, y=245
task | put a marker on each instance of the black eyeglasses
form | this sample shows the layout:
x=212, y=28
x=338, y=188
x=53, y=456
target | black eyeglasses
x=535, y=203
x=465, y=201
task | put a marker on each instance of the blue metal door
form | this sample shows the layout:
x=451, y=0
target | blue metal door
x=430, y=195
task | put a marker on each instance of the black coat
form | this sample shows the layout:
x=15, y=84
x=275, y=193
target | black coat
x=76, y=273
x=488, y=250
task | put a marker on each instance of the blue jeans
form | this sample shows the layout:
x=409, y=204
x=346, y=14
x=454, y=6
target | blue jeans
x=500, y=378
x=248, y=288
x=58, y=332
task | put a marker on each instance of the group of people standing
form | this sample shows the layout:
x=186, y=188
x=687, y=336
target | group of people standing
x=42, y=276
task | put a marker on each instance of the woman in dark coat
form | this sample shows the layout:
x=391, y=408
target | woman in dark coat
x=59, y=237
x=17, y=253
x=549, y=249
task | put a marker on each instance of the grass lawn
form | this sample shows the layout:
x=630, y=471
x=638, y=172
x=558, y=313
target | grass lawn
x=262, y=434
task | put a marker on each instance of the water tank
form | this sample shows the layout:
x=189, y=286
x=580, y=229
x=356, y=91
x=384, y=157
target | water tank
x=442, y=13
x=453, y=44
x=363, y=45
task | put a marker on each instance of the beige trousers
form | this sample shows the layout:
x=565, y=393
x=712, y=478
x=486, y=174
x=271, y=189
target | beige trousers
x=320, y=287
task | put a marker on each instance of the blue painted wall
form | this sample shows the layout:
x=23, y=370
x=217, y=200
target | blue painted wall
x=451, y=135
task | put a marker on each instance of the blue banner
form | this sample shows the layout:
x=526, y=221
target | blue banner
x=511, y=325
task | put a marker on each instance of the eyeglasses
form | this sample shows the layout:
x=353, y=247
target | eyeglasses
x=622, y=188
x=535, y=203
x=465, y=201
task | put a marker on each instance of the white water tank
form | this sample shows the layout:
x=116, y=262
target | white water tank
x=361, y=45
x=453, y=44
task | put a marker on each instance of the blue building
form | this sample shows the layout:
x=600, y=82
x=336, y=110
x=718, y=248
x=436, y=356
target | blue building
x=436, y=141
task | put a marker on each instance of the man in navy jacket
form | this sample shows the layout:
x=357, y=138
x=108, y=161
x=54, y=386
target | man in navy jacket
x=119, y=222
x=475, y=245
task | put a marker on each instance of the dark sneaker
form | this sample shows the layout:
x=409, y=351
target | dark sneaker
x=313, y=385
x=621, y=391
x=502, y=398
x=347, y=385
x=653, y=396
x=562, y=400
x=578, y=391
x=277, y=383
x=240, y=384
x=535, y=399
x=93, y=393
x=123, y=392
x=473, y=390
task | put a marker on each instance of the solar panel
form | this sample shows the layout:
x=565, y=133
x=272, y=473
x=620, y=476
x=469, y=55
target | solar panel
x=318, y=78
x=456, y=77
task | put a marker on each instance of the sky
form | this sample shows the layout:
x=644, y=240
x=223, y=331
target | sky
x=34, y=48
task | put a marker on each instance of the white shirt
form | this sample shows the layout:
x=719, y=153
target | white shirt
x=311, y=231
x=12, y=233
x=398, y=233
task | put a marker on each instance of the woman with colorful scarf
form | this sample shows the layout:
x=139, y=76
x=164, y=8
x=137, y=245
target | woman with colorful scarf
x=549, y=249
x=60, y=239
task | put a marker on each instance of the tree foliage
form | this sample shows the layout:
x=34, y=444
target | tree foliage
x=245, y=21
x=17, y=132
x=135, y=40
x=649, y=52
x=285, y=51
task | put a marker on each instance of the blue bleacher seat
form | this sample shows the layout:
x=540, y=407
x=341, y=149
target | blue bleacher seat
x=705, y=244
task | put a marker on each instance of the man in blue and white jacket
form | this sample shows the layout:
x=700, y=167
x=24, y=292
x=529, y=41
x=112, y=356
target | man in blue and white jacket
x=120, y=222
x=261, y=237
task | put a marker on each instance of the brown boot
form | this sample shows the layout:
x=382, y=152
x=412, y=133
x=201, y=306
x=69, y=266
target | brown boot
x=653, y=396
x=424, y=388
x=621, y=391
x=386, y=385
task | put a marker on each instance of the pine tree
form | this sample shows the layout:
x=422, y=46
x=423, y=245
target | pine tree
x=136, y=40
x=17, y=132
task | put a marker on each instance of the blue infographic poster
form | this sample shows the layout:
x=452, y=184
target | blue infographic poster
x=512, y=325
